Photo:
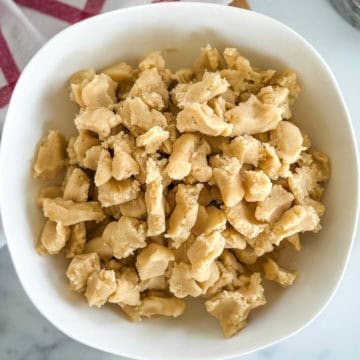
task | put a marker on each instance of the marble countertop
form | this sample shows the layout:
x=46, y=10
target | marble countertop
x=25, y=334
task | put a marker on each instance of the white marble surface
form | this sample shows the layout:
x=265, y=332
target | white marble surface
x=335, y=334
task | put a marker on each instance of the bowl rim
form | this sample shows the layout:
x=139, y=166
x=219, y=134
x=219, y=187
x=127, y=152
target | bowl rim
x=7, y=226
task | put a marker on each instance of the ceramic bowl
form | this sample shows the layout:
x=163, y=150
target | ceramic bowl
x=40, y=102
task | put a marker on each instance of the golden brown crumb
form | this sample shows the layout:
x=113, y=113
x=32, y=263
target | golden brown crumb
x=69, y=212
x=203, y=252
x=125, y=236
x=257, y=185
x=118, y=192
x=99, y=246
x=183, y=217
x=134, y=208
x=242, y=218
x=80, y=268
x=153, y=261
x=127, y=288
x=156, y=305
x=77, y=185
x=232, y=308
x=180, y=160
x=100, y=285
x=226, y=174
x=271, y=208
x=104, y=168
x=154, y=199
x=89, y=120
x=99, y=91
x=54, y=236
x=182, y=283
x=50, y=158
x=76, y=243
x=274, y=272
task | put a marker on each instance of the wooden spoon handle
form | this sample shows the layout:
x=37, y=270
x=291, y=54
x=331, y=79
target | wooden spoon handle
x=240, y=3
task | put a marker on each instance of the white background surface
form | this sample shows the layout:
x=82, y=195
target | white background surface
x=25, y=334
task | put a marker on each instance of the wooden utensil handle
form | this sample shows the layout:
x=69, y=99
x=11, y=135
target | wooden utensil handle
x=240, y=3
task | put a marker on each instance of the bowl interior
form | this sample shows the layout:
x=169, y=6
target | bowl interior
x=40, y=102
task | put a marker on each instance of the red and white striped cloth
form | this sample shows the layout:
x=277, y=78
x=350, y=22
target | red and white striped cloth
x=26, y=24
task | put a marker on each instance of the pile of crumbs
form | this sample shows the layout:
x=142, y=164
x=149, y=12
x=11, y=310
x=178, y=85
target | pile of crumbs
x=180, y=184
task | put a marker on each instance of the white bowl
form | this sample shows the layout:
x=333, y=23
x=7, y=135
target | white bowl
x=40, y=102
